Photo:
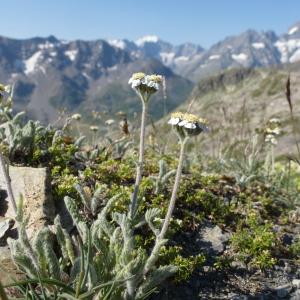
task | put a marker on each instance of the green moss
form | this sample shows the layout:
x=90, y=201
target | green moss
x=253, y=242
x=186, y=265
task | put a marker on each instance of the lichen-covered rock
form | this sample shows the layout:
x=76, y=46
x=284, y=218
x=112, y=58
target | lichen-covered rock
x=212, y=239
x=34, y=185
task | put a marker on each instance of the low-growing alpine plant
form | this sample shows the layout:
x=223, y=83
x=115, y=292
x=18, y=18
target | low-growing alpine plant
x=104, y=259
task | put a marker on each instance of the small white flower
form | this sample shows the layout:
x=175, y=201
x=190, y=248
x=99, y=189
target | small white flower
x=145, y=83
x=94, y=128
x=135, y=83
x=182, y=123
x=76, y=117
x=190, y=126
x=174, y=121
x=136, y=80
x=191, y=123
x=274, y=120
x=271, y=139
x=109, y=122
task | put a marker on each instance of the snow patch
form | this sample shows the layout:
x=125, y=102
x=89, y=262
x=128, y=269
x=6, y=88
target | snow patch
x=147, y=39
x=30, y=64
x=295, y=57
x=293, y=30
x=71, y=54
x=213, y=57
x=43, y=69
x=240, y=58
x=117, y=43
x=286, y=48
x=258, y=45
x=86, y=75
x=167, y=57
x=113, y=68
x=53, y=54
x=182, y=58
x=46, y=45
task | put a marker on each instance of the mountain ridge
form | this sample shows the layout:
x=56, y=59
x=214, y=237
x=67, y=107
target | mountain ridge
x=50, y=73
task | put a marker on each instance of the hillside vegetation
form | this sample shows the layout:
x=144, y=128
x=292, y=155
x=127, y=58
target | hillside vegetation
x=192, y=209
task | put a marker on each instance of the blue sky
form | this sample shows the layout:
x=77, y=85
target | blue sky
x=198, y=21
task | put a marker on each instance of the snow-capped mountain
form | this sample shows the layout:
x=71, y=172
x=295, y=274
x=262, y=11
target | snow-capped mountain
x=49, y=73
x=249, y=49
x=151, y=46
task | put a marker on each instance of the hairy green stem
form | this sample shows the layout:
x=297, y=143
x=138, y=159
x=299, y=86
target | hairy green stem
x=7, y=179
x=174, y=192
x=139, y=168
x=131, y=284
x=160, y=237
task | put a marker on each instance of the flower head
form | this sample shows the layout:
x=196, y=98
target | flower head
x=5, y=92
x=94, y=128
x=137, y=79
x=145, y=84
x=109, y=122
x=188, y=124
x=76, y=117
x=273, y=131
x=271, y=139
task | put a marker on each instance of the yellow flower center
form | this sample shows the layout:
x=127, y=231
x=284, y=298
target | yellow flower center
x=176, y=115
x=156, y=78
x=139, y=75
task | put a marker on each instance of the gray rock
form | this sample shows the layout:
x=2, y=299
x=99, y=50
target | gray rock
x=34, y=185
x=295, y=295
x=296, y=283
x=8, y=270
x=212, y=239
x=283, y=290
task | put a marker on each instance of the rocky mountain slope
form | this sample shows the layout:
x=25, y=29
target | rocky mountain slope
x=239, y=102
x=49, y=74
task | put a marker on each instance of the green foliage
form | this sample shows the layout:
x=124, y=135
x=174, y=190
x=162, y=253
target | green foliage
x=295, y=248
x=186, y=265
x=107, y=254
x=254, y=242
x=163, y=176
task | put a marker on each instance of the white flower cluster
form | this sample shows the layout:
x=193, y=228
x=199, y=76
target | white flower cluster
x=143, y=82
x=270, y=138
x=190, y=122
x=109, y=122
x=76, y=117
x=272, y=131
x=94, y=128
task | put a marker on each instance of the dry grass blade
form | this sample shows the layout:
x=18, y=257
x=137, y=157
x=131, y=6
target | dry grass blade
x=288, y=93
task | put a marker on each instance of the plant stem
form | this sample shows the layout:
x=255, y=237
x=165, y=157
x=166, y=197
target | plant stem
x=10, y=194
x=139, y=168
x=160, y=237
x=174, y=192
x=273, y=159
